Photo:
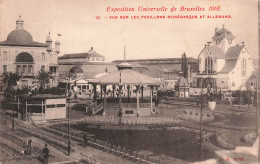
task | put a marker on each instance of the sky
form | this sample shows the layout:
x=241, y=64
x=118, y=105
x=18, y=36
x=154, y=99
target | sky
x=76, y=21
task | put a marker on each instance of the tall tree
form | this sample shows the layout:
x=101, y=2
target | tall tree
x=184, y=65
x=44, y=78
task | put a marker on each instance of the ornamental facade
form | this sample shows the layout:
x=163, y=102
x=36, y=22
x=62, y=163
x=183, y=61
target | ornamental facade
x=22, y=55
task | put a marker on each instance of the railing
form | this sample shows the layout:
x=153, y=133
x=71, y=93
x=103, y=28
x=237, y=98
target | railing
x=130, y=105
x=97, y=108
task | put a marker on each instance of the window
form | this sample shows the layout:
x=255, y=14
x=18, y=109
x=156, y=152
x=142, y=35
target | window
x=129, y=112
x=98, y=59
x=93, y=59
x=83, y=88
x=30, y=69
x=50, y=106
x=243, y=66
x=18, y=70
x=5, y=55
x=24, y=69
x=53, y=69
x=4, y=68
x=24, y=58
x=42, y=68
x=43, y=57
x=60, y=105
x=233, y=84
x=208, y=65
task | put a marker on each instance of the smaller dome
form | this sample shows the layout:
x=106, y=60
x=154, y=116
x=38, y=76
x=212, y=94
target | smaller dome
x=20, y=36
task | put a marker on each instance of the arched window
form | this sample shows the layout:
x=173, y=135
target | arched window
x=24, y=58
x=208, y=65
x=5, y=55
x=43, y=57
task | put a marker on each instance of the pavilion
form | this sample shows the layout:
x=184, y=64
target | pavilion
x=127, y=78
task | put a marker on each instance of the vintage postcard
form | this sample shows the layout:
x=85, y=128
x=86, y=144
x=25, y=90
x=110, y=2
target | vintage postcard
x=129, y=81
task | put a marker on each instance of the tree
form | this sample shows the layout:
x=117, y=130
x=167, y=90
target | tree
x=10, y=80
x=44, y=78
x=184, y=65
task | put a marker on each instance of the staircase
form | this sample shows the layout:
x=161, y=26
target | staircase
x=96, y=109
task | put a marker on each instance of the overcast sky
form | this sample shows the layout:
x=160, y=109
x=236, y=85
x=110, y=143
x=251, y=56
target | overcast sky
x=76, y=21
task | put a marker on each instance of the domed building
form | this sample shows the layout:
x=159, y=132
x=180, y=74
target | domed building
x=22, y=55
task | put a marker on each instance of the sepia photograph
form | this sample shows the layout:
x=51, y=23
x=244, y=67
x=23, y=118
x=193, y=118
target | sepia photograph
x=126, y=82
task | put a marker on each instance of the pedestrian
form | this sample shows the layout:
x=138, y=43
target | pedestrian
x=85, y=140
x=29, y=147
x=45, y=152
x=120, y=114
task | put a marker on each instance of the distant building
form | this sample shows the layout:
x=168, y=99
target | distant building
x=20, y=54
x=228, y=63
x=83, y=66
x=165, y=69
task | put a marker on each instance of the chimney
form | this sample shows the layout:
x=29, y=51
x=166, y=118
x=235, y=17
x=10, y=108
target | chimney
x=243, y=43
x=208, y=43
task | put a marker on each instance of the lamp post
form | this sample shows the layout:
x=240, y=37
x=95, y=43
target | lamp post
x=69, y=147
x=202, y=139
x=13, y=108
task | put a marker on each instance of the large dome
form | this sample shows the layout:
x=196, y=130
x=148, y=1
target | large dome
x=20, y=36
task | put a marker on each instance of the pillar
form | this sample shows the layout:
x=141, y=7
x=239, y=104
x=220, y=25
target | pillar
x=95, y=92
x=18, y=108
x=142, y=91
x=26, y=117
x=104, y=100
x=137, y=100
x=120, y=98
x=114, y=91
x=101, y=91
x=151, y=96
x=156, y=99
x=128, y=91
x=42, y=106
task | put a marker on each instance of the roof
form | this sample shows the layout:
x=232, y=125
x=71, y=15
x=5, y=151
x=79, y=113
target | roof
x=233, y=52
x=34, y=44
x=45, y=96
x=223, y=33
x=217, y=52
x=229, y=66
x=128, y=77
x=81, y=55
